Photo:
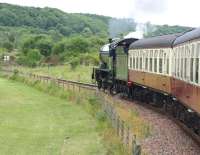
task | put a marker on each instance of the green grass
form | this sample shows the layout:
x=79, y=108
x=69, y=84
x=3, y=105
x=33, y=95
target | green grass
x=80, y=73
x=34, y=123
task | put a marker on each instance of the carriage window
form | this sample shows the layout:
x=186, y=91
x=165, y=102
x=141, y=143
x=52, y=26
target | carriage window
x=168, y=65
x=197, y=64
x=151, y=64
x=197, y=71
x=178, y=65
x=191, y=69
x=155, y=61
x=131, y=62
x=140, y=62
x=151, y=61
x=146, y=64
x=134, y=62
x=160, y=62
x=192, y=64
x=187, y=50
x=164, y=66
x=146, y=61
x=185, y=69
x=181, y=66
x=175, y=62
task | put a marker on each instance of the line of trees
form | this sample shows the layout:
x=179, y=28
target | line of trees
x=34, y=36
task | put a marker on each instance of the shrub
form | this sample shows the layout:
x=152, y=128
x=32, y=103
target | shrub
x=74, y=63
x=31, y=59
x=101, y=116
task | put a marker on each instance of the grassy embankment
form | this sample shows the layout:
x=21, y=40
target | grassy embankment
x=79, y=135
x=129, y=114
x=33, y=122
x=80, y=73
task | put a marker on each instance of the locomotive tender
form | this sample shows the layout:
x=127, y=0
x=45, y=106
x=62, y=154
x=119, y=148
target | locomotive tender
x=162, y=70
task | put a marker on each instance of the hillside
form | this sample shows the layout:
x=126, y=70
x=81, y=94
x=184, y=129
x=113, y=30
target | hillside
x=51, y=19
x=34, y=36
x=157, y=30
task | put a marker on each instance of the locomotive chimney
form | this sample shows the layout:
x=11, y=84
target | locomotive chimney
x=110, y=40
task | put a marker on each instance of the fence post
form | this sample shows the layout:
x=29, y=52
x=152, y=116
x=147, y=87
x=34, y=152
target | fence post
x=136, y=149
x=118, y=125
x=113, y=118
x=133, y=145
x=122, y=131
x=58, y=83
x=127, y=136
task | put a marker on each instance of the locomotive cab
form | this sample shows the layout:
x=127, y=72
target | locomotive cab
x=103, y=74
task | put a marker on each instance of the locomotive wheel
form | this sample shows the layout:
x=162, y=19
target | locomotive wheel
x=99, y=84
x=112, y=90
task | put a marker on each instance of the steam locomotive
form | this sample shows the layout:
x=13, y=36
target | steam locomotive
x=163, y=71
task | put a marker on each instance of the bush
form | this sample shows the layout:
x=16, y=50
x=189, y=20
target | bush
x=74, y=63
x=31, y=59
x=15, y=74
x=8, y=46
x=101, y=116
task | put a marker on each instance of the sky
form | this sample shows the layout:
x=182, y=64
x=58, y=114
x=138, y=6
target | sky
x=171, y=12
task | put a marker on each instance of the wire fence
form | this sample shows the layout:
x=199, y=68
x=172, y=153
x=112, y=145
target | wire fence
x=123, y=130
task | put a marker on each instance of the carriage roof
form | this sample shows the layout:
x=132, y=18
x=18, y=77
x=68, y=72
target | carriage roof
x=188, y=36
x=165, y=41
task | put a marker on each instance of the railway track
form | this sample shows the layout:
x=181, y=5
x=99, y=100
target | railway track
x=188, y=131
x=92, y=86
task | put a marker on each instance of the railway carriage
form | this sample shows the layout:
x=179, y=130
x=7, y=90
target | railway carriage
x=186, y=77
x=150, y=67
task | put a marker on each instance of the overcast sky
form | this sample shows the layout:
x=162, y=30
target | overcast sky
x=172, y=12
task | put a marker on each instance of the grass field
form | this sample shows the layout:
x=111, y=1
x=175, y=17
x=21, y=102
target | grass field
x=80, y=73
x=34, y=123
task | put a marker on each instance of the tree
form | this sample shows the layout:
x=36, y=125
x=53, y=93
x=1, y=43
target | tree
x=32, y=58
x=41, y=42
x=8, y=45
x=58, y=48
x=44, y=46
x=87, y=31
x=157, y=30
